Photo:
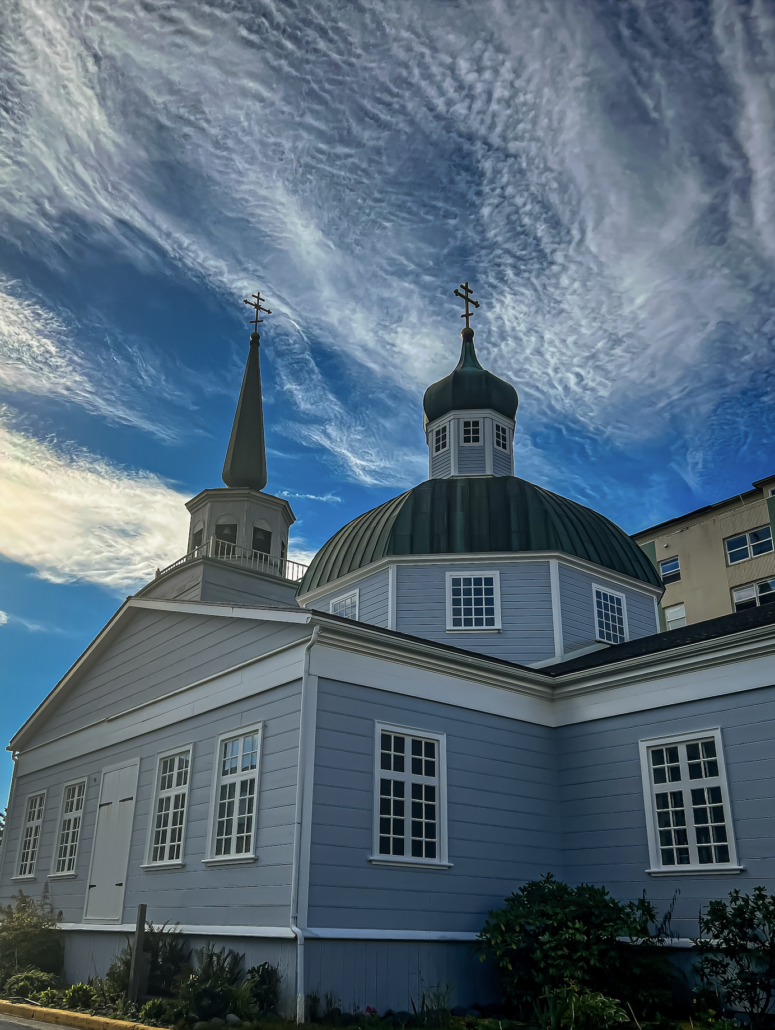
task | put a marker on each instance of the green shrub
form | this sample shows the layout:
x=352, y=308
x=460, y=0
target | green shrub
x=29, y=983
x=29, y=937
x=152, y=1012
x=224, y=965
x=50, y=999
x=264, y=984
x=79, y=996
x=206, y=998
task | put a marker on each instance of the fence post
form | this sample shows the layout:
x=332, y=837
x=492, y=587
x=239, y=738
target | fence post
x=136, y=969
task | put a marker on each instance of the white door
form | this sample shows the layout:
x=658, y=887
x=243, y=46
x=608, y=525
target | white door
x=110, y=852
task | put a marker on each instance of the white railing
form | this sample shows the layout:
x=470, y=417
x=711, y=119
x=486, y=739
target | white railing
x=243, y=556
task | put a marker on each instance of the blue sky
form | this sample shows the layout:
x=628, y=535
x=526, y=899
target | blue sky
x=603, y=173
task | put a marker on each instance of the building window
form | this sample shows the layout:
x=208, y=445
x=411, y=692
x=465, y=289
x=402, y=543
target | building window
x=197, y=537
x=675, y=616
x=346, y=607
x=501, y=437
x=440, y=439
x=226, y=540
x=262, y=540
x=410, y=813
x=171, y=806
x=283, y=550
x=687, y=803
x=670, y=570
x=31, y=834
x=471, y=430
x=610, y=616
x=236, y=795
x=749, y=545
x=69, y=827
x=473, y=601
x=754, y=594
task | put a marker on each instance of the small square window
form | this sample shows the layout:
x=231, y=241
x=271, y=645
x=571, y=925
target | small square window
x=675, y=616
x=610, y=615
x=346, y=607
x=670, y=570
x=440, y=439
x=471, y=430
x=473, y=601
x=501, y=437
x=748, y=545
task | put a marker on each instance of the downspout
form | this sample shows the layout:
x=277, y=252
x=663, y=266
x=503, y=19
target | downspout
x=296, y=872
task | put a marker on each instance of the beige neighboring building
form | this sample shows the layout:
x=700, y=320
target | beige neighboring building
x=717, y=559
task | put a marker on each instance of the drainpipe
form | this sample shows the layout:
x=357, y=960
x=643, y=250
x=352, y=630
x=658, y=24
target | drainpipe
x=296, y=873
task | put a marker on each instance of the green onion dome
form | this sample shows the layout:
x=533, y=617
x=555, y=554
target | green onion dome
x=469, y=386
x=476, y=515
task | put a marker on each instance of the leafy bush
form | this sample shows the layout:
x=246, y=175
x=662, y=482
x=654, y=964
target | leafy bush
x=29, y=937
x=212, y=989
x=29, y=983
x=738, y=956
x=152, y=1012
x=49, y=999
x=79, y=996
x=222, y=965
x=550, y=935
x=264, y=984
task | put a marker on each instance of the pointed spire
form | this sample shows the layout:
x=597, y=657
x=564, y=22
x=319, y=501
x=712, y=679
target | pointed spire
x=245, y=463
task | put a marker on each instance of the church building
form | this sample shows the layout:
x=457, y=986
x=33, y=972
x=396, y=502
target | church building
x=341, y=769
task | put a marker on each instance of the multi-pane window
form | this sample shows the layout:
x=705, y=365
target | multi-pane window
x=749, y=545
x=675, y=616
x=171, y=804
x=501, y=437
x=473, y=601
x=346, y=607
x=408, y=824
x=754, y=594
x=33, y=820
x=69, y=827
x=440, y=439
x=610, y=616
x=471, y=430
x=670, y=570
x=689, y=803
x=236, y=795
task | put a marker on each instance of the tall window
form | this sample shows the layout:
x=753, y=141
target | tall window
x=409, y=823
x=754, y=594
x=471, y=430
x=610, y=616
x=687, y=803
x=749, y=545
x=262, y=540
x=473, y=601
x=440, y=439
x=501, y=437
x=69, y=827
x=236, y=795
x=197, y=537
x=33, y=819
x=675, y=616
x=171, y=806
x=670, y=570
x=346, y=607
x=226, y=540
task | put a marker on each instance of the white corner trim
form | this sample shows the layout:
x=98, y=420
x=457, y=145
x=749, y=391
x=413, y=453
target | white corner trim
x=554, y=584
x=392, y=597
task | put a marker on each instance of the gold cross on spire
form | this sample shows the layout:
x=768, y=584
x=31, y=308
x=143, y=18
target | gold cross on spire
x=466, y=296
x=256, y=305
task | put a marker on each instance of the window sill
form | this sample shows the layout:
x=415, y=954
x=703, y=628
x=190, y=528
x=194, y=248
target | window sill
x=23, y=879
x=163, y=865
x=698, y=870
x=408, y=863
x=230, y=860
x=474, y=629
x=62, y=876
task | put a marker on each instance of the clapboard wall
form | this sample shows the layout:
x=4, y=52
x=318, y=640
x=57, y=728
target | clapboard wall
x=373, y=591
x=578, y=607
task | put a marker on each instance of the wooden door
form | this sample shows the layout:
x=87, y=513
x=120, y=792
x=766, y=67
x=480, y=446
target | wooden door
x=110, y=852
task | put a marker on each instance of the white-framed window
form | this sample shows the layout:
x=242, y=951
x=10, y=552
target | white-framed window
x=754, y=594
x=675, y=616
x=471, y=430
x=670, y=570
x=473, y=601
x=235, y=796
x=69, y=831
x=28, y=846
x=346, y=606
x=440, y=439
x=501, y=437
x=748, y=545
x=168, y=826
x=409, y=797
x=610, y=615
x=688, y=815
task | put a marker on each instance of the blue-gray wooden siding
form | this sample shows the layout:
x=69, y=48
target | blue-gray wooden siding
x=214, y=581
x=502, y=806
x=372, y=598
x=578, y=609
x=501, y=462
x=441, y=463
x=526, y=609
x=471, y=460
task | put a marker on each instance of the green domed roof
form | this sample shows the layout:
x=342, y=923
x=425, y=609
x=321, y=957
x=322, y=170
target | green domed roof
x=469, y=386
x=473, y=515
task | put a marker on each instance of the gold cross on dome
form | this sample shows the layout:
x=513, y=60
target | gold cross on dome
x=466, y=296
x=256, y=305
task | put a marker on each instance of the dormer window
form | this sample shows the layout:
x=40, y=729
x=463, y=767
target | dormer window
x=471, y=430
x=440, y=439
x=501, y=437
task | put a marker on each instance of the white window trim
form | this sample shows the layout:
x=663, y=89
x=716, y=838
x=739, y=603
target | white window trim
x=177, y=862
x=496, y=593
x=210, y=857
x=746, y=533
x=442, y=861
x=437, y=429
x=615, y=593
x=53, y=874
x=356, y=591
x=28, y=877
x=480, y=441
x=655, y=864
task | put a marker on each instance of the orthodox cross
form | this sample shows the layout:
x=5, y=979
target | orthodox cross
x=256, y=305
x=466, y=296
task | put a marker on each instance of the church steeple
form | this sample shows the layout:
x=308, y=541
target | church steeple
x=245, y=463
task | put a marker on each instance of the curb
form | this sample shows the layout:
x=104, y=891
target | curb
x=66, y=1018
